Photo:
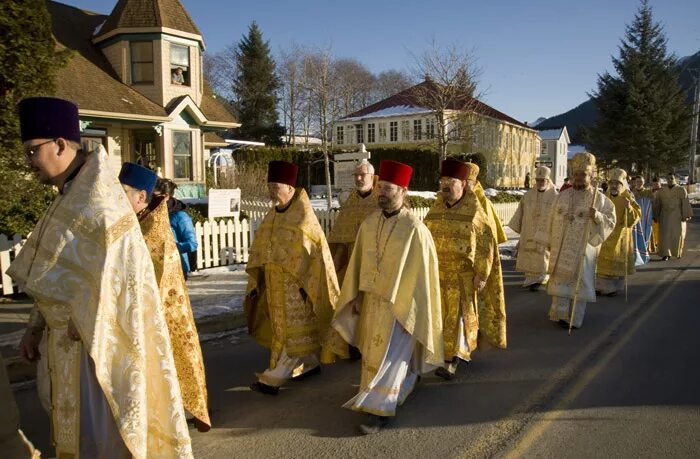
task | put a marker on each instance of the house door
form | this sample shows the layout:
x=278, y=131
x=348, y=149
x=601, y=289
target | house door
x=145, y=149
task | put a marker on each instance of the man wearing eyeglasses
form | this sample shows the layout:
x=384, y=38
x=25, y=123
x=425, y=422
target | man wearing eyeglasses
x=112, y=384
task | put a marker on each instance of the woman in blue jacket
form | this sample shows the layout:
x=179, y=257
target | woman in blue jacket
x=180, y=222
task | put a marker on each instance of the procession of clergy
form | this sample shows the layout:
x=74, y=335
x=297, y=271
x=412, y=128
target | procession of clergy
x=119, y=360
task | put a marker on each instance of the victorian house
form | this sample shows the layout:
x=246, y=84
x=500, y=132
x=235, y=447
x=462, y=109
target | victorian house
x=509, y=146
x=137, y=78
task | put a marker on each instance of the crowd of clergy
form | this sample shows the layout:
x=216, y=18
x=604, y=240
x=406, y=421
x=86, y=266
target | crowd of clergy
x=120, y=367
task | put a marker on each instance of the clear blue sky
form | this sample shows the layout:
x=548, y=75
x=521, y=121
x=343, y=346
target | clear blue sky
x=539, y=57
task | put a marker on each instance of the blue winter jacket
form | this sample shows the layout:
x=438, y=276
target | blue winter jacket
x=183, y=230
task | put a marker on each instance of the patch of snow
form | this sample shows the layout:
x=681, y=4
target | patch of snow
x=491, y=192
x=423, y=194
x=396, y=110
x=322, y=203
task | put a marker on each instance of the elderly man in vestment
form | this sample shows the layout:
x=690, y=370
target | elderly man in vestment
x=292, y=285
x=643, y=229
x=672, y=210
x=361, y=202
x=531, y=218
x=466, y=249
x=138, y=183
x=617, y=257
x=582, y=218
x=112, y=390
x=13, y=443
x=654, y=244
x=389, y=306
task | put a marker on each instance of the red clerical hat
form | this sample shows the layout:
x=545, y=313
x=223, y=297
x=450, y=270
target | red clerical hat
x=282, y=172
x=455, y=169
x=395, y=172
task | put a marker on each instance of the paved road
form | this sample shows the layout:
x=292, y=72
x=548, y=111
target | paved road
x=626, y=385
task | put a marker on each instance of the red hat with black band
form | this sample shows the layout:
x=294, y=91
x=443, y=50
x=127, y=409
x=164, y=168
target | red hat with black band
x=395, y=172
x=455, y=169
x=282, y=172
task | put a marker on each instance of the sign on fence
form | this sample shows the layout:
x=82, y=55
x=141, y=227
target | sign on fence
x=224, y=203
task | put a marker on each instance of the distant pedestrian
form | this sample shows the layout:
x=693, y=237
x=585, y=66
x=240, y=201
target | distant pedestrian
x=527, y=181
x=566, y=185
x=180, y=223
x=672, y=210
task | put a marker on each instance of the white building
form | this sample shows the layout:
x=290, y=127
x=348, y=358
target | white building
x=553, y=153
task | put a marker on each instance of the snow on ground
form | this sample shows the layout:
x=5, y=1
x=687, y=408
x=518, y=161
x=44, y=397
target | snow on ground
x=509, y=249
x=322, y=203
x=217, y=291
x=423, y=194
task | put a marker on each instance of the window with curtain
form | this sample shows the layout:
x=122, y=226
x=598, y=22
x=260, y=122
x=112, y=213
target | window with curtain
x=179, y=64
x=182, y=155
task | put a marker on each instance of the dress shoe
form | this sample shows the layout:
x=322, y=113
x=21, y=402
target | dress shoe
x=264, y=388
x=665, y=258
x=374, y=425
x=355, y=353
x=444, y=374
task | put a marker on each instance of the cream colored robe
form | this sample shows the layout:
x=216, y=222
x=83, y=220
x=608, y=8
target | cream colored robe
x=155, y=225
x=402, y=275
x=617, y=256
x=671, y=208
x=531, y=218
x=86, y=260
x=565, y=239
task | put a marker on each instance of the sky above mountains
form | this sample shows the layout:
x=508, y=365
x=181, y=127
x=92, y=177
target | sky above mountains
x=538, y=57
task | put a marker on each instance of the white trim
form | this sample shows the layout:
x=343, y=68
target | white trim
x=122, y=116
x=138, y=30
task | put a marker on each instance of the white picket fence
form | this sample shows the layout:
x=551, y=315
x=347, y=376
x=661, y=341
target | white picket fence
x=224, y=242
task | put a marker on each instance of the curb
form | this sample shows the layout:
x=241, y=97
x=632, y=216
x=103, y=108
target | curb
x=19, y=370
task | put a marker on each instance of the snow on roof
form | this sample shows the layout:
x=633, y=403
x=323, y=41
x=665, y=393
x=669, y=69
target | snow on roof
x=551, y=134
x=396, y=110
x=573, y=149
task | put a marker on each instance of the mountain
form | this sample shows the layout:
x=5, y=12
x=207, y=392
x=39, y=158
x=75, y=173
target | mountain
x=578, y=119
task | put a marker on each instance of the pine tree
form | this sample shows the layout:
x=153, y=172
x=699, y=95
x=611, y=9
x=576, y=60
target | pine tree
x=29, y=62
x=256, y=85
x=644, y=120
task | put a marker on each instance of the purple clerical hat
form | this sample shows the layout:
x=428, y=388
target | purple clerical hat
x=48, y=118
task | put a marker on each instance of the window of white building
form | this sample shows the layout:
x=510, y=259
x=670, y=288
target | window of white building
x=393, y=131
x=370, y=133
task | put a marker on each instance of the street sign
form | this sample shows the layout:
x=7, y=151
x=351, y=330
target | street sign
x=224, y=202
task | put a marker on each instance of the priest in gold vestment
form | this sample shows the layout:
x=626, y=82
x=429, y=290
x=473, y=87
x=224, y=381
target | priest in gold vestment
x=617, y=256
x=466, y=248
x=113, y=389
x=292, y=285
x=531, y=218
x=389, y=305
x=581, y=220
x=152, y=212
x=672, y=210
x=361, y=202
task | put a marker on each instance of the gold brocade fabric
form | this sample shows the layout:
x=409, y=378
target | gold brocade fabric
x=155, y=225
x=487, y=205
x=374, y=333
x=342, y=237
x=395, y=259
x=530, y=219
x=617, y=257
x=294, y=242
x=465, y=244
x=86, y=260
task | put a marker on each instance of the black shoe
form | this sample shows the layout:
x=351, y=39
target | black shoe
x=598, y=293
x=375, y=424
x=264, y=388
x=355, y=353
x=563, y=324
x=535, y=287
x=313, y=372
x=444, y=374
x=611, y=294
x=665, y=258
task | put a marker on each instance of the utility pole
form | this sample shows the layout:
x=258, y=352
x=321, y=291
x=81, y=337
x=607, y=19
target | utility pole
x=694, y=130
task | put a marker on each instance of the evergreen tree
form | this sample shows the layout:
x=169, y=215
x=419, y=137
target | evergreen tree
x=644, y=121
x=256, y=85
x=29, y=62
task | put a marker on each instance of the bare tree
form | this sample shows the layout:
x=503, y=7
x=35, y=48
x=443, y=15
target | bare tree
x=291, y=69
x=449, y=90
x=220, y=71
x=320, y=82
x=390, y=82
x=354, y=84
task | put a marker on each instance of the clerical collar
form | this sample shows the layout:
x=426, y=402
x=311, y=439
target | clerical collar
x=391, y=214
x=281, y=210
x=365, y=194
x=449, y=206
x=71, y=177
x=541, y=191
